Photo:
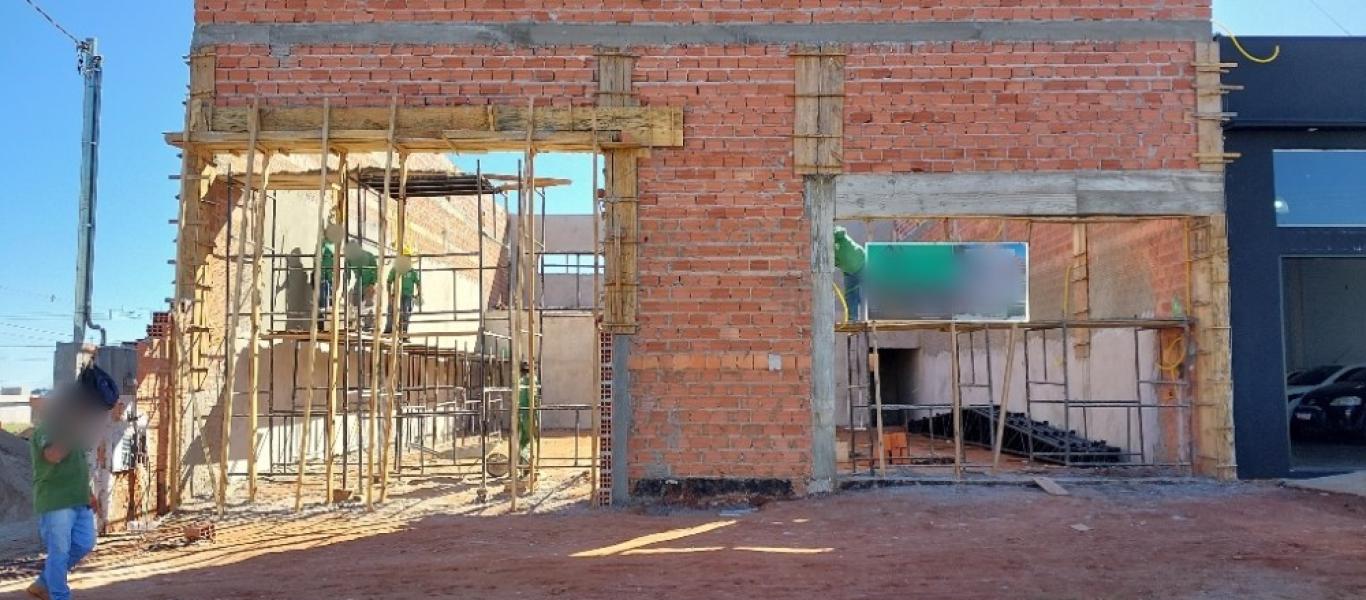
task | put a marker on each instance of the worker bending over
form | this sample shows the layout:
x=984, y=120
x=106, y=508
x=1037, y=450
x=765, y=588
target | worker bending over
x=410, y=289
x=528, y=426
x=361, y=264
x=849, y=259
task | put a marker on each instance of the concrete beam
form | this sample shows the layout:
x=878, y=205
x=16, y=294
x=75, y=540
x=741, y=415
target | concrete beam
x=1042, y=194
x=667, y=34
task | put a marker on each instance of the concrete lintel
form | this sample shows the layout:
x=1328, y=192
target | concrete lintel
x=1042, y=194
x=665, y=34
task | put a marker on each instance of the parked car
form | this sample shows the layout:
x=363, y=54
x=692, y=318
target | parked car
x=1334, y=409
x=1299, y=383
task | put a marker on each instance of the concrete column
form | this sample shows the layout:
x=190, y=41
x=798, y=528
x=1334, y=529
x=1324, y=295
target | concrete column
x=820, y=213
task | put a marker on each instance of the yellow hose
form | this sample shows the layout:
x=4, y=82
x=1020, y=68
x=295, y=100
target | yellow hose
x=839, y=294
x=1275, y=52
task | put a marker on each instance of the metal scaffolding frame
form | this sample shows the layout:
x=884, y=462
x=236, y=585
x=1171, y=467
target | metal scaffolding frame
x=394, y=389
x=973, y=390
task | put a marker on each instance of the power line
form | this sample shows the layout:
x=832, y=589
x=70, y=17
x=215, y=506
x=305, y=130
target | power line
x=54, y=22
x=1330, y=16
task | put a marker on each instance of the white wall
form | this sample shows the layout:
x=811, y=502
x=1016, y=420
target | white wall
x=1324, y=319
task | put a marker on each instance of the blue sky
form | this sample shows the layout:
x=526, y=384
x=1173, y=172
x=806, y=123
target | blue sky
x=144, y=43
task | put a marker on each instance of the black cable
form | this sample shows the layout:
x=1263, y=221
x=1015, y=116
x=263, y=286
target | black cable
x=1329, y=15
x=53, y=22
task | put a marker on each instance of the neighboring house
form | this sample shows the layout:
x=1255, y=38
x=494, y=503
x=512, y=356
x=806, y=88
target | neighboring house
x=14, y=405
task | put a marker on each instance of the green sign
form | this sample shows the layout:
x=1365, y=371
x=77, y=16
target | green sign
x=947, y=281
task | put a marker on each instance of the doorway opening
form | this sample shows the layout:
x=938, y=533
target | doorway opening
x=1325, y=361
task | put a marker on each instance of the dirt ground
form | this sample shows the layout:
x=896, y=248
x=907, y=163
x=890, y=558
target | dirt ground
x=1196, y=540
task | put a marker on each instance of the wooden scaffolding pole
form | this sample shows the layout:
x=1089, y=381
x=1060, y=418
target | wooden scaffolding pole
x=249, y=210
x=874, y=362
x=392, y=322
x=1005, y=396
x=258, y=235
x=334, y=351
x=534, y=247
x=594, y=463
x=514, y=349
x=957, y=394
x=311, y=360
x=376, y=338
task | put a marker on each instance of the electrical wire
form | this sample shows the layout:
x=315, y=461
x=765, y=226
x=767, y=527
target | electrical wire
x=1275, y=52
x=1330, y=16
x=54, y=22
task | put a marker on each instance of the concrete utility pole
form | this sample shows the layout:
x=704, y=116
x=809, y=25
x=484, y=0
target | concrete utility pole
x=90, y=65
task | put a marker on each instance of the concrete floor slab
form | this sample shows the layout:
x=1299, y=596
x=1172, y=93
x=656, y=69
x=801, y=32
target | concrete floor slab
x=1350, y=483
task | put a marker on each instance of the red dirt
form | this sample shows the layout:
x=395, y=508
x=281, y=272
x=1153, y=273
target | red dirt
x=1143, y=541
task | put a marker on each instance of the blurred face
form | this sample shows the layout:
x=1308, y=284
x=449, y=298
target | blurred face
x=77, y=416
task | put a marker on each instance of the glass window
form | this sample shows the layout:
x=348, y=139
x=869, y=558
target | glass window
x=1313, y=376
x=1320, y=188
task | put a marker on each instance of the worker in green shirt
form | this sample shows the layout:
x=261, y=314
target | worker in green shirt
x=327, y=288
x=361, y=264
x=410, y=288
x=849, y=259
x=527, y=424
x=72, y=418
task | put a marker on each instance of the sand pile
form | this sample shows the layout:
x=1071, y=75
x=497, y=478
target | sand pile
x=16, y=479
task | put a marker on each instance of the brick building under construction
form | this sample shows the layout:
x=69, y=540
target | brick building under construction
x=733, y=137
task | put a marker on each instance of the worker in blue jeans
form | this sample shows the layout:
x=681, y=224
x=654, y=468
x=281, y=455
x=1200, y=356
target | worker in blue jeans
x=61, y=477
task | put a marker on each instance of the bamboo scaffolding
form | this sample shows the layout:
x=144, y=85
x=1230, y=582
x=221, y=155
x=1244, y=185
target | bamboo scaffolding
x=258, y=235
x=536, y=243
x=875, y=361
x=375, y=346
x=392, y=322
x=1005, y=396
x=594, y=465
x=313, y=321
x=249, y=208
x=334, y=353
x=957, y=393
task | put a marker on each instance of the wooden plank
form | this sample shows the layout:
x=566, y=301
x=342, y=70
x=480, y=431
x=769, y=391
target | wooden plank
x=830, y=147
x=1048, y=485
x=1209, y=99
x=806, y=123
x=615, y=79
x=647, y=126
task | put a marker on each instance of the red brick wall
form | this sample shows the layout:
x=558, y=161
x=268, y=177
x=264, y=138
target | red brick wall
x=723, y=273
x=974, y=106
x=689, y=11
x=720, y=368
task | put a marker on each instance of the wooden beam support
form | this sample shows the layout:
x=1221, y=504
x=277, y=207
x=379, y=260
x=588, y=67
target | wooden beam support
x=1212, y=380
x=818, y=130
x=436, y=129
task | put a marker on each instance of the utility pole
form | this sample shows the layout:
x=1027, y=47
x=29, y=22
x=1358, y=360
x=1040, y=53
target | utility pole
x=89, y=64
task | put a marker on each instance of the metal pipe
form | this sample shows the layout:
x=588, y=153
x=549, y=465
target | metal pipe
x=91, y=66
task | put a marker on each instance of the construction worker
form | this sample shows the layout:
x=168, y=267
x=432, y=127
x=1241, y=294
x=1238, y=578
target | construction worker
x=327, y=288
x=849, y=259
x=361, y=264
x=72, y=421
x=527, y=423
x=410, y=284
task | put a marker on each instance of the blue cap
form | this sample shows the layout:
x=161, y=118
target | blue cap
x=99, y=385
